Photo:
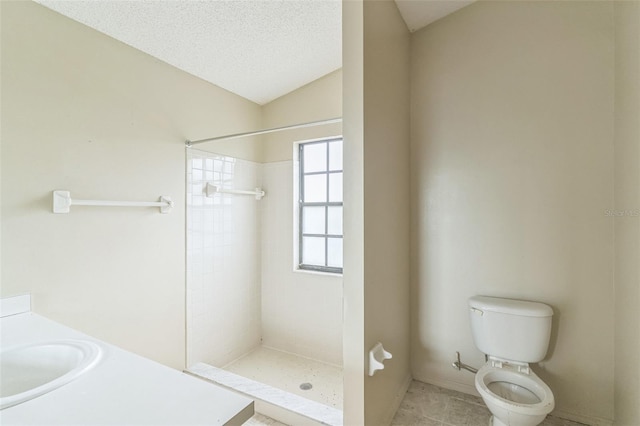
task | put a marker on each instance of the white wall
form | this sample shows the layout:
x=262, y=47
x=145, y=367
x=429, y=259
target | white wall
x=627, y=206
x=85, y=113
x=512, y=171
x=301, y=311
x=223, y=259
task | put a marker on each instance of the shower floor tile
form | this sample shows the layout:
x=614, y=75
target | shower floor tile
x=287, y=371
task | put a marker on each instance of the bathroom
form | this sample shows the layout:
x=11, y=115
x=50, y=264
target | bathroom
x=283, y=325
x=501, y=173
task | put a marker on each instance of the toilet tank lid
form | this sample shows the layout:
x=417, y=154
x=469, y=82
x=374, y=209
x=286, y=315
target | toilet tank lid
x=510, y=306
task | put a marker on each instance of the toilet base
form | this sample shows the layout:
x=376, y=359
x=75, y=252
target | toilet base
x=493, y=421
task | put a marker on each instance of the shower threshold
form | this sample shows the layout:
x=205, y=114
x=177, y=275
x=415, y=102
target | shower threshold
x=271, y=401
x=290, y=388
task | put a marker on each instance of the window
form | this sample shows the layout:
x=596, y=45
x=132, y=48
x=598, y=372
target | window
x=320, y=206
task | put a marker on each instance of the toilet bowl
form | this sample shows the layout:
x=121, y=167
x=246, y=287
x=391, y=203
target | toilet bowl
x=512, y=334
x=515, y=398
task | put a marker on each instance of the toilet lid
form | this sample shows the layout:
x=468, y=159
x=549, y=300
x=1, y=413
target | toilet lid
x=513, y=392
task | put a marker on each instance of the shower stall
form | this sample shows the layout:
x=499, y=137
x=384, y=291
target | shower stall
x=254, y=323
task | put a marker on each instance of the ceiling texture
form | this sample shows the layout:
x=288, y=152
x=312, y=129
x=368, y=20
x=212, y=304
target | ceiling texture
x=257, y=49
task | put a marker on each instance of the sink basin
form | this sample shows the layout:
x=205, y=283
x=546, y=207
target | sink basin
x=32, y=370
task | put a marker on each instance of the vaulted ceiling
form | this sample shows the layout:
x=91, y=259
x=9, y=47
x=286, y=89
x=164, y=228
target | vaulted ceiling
x=258, y=49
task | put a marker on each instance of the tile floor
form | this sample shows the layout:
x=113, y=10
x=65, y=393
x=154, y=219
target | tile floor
x=260, y=420
x=429, y=405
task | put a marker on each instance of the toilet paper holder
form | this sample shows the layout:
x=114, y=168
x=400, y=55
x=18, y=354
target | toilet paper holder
x=377, y=356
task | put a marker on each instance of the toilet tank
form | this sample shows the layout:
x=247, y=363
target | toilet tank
x=510, y=329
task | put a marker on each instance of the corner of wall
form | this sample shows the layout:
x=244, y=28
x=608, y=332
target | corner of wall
x=386, y=183
x=627, y=208
x=353, y=131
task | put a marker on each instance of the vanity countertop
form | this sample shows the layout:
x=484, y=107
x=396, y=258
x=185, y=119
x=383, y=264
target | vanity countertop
x=123, y=389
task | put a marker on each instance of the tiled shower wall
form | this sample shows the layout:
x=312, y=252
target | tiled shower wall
x=223, y=260
x=301, y=311
x=242, y=290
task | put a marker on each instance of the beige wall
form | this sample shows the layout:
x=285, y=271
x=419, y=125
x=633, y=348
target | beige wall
x=246, y=148
x=376, y=280
x=386, y=205
x=511, y=174
x=85, y=113
x=353, y=280
x=627, y=204
x=301, y=311
x=319, y=100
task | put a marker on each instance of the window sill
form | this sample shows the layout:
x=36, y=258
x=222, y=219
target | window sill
x=320, y=273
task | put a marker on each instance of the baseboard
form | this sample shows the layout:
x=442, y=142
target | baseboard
x=397, y=400
x=448, y=384
x=588, y=420
x=471, y=390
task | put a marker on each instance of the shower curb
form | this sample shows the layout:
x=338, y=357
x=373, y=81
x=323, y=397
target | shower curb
x=296, y=404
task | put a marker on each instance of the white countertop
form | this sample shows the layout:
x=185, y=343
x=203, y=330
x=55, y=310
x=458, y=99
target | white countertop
x=123, y=389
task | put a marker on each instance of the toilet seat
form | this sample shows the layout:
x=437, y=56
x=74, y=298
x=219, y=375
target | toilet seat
x=521, y=398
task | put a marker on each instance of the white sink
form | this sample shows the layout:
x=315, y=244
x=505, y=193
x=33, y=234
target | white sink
x=32, y=370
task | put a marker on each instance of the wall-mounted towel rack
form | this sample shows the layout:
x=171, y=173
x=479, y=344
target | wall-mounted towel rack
x=211, y=189
x=62, y=203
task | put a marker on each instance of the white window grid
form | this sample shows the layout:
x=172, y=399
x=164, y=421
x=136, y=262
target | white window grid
x=327, y=172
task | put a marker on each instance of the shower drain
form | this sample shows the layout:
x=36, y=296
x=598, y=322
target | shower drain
x=306, y=386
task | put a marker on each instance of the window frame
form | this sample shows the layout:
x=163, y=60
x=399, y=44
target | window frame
x=326, y=204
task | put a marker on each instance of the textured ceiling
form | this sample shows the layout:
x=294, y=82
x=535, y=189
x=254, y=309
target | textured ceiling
x=420, y=13
x=258, y=49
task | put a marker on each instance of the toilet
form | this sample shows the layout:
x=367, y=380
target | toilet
x=512, y=333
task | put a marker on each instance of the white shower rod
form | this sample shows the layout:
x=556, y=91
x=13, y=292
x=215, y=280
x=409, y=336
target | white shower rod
x=62, y=203
x=212, y=189
x=265, y=131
